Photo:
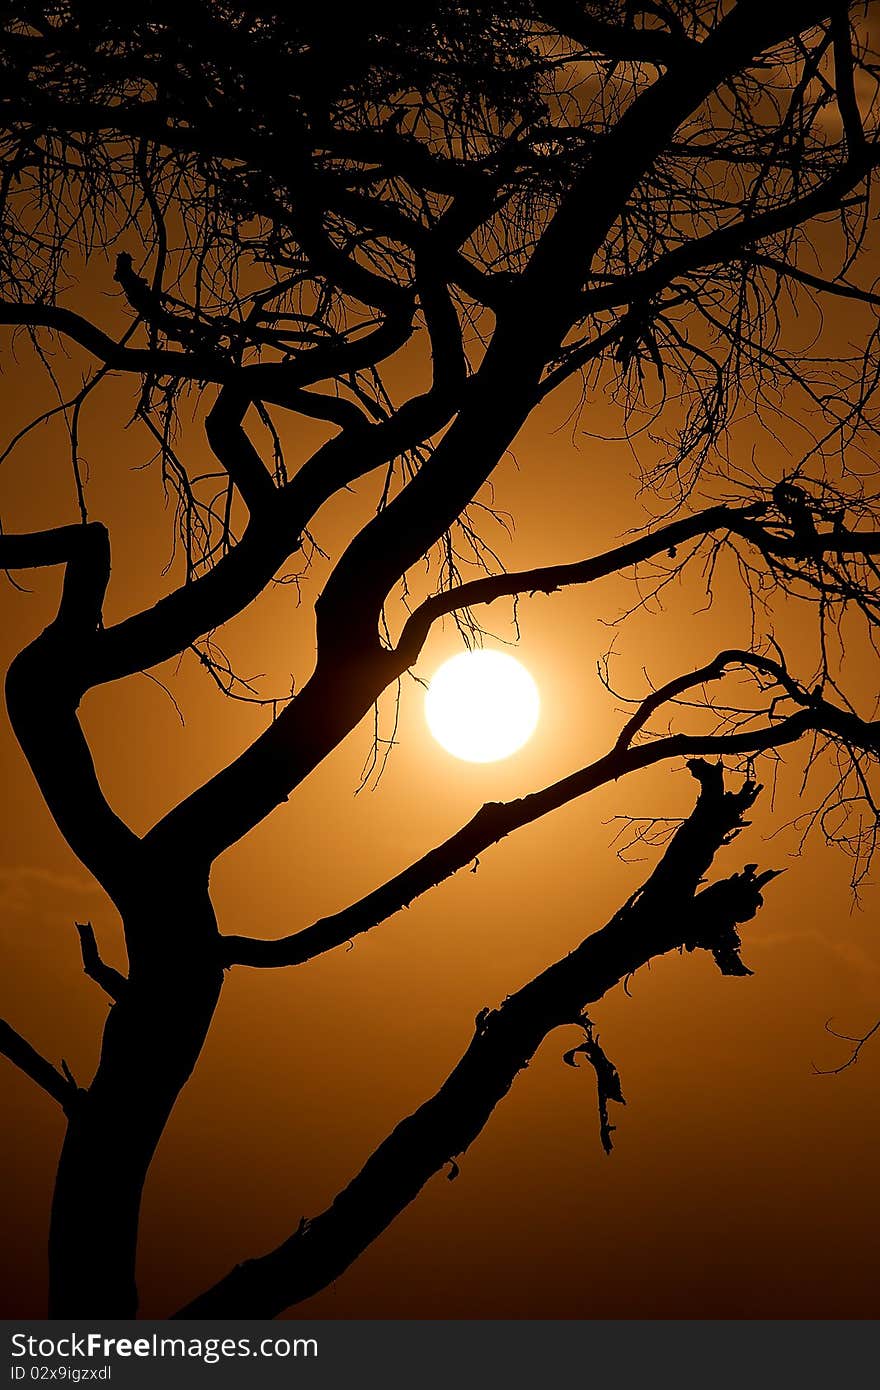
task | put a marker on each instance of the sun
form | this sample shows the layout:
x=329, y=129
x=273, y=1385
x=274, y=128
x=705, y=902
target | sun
x=482, y=706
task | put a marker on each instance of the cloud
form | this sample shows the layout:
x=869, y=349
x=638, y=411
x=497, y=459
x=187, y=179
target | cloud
x=847, y=953
x=31, y=892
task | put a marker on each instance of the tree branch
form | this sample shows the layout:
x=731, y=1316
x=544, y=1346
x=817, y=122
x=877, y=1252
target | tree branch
x=729, y=242
x=34, y=549
x=44, y=685
x=176, y=621
x=277, y=382
x=495, y=820
x=111, y=981
x=838, y=287
x=669, y=912
x=844, y=79
x=547, y=579
x=352, y=669
x=180, y=365
x=857, y=1043
x=226, y=436
x=655, y=46
x=62, y=1088
x=533, y=322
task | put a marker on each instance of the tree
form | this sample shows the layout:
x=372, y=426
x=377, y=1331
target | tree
x=637, y=199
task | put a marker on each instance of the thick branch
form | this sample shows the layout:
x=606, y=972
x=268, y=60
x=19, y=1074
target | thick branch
x=180, y=365
x=352, y=670
x=540, y=311
x=34, y=549
x=278, y=383
x=547, y=579
x=667, y=913
x=727, y=243
x=180, y=618
x=844, y=78
x=235, y=451
x=655, y=46
x=43, y=690
x=495, y=820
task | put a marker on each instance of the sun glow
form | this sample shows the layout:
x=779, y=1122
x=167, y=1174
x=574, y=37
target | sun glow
x=482, y=706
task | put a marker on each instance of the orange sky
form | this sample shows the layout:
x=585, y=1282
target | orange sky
x=741, y=1185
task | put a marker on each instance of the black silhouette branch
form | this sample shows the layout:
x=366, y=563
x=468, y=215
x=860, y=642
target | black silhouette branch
x=857, y=1043
x=155, y=362
x=669, y=912
x=35, y=549
x=628, y=44
x=547, y=579
x=59, y=1085
x=230, y=443
x=844, y=80
x=44, y=686
x=496, y=820
x=839, y=287
x=225, y=807
x=535, y=320
x=110, y=980
x=608, y=1083
x=730, y=242
x=278, y=383
x=180, y=618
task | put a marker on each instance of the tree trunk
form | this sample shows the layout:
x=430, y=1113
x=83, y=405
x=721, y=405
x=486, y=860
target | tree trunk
x=152, y=1039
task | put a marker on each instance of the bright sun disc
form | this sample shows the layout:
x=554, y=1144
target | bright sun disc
x=482, y=706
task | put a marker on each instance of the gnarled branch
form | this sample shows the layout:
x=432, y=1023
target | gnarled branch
x=668, y=912
x=495, y=820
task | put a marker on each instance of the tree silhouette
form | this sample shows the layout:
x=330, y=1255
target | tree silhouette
x=635, y=199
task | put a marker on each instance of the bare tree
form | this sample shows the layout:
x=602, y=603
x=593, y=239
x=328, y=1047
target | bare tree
x=639, y=198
